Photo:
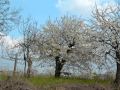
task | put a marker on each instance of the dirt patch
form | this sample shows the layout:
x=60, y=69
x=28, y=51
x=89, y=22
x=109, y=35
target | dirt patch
x=22, y=85
x=80, y=87
x=15, y=85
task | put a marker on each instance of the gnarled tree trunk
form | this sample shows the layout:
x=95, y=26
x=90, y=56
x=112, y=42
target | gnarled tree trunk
x=59, y=66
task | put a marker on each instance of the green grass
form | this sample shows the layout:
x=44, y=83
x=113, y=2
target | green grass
x=47, y=81
x=2, y=77
x=44, y=81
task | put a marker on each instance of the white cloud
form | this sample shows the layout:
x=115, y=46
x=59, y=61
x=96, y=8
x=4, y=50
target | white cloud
x=81, y=7
x=8, y=41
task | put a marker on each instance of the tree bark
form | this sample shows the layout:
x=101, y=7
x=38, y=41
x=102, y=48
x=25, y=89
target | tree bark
x=25, y=60
x=15, y=66
x=29, y=67
x=117, y=79
x=29, y=61
x=59, y=66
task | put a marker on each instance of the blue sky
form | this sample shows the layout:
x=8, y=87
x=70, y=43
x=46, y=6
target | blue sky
x=41, y=10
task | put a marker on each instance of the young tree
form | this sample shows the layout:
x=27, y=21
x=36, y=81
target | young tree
x=29, y=32
x=8, y=18
x=11, y=52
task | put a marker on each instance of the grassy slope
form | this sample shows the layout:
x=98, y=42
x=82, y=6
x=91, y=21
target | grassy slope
x=49, y=81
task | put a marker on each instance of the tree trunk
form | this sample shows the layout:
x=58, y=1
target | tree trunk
x=25, y=60
x=15, y=66
x=59, y=66
x=29, y=68
x=117, y=79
